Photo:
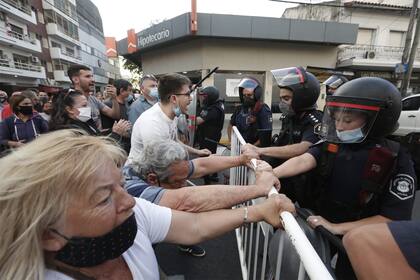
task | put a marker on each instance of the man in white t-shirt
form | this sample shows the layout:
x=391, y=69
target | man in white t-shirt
x=160, y=121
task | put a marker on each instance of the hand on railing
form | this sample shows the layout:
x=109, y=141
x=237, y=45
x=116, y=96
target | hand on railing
x=266, y=180
x=271, y=208
x=263, y=166
x=247, y=157
x=250, y=149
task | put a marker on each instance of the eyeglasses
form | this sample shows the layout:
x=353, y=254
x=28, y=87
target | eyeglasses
x=190, y=94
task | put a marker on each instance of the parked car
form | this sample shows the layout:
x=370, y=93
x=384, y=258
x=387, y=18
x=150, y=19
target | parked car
x=409, y=120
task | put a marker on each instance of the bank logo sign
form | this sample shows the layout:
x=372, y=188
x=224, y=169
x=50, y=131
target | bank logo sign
x=150, y=39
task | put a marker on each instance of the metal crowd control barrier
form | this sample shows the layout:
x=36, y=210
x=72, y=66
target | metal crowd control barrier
x=250, y=236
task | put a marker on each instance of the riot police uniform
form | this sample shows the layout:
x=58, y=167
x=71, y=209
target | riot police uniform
x=359, y=173
x=298, y=120
x=333, y=83
x=253, y=118
x=213, y=113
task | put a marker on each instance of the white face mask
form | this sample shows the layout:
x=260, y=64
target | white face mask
x=85, y=113
x=350, y=136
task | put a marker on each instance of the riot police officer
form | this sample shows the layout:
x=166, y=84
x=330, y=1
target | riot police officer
x=210, y=122
x=299, y=91
x=334, y=82
x=253, y=117
x=362, y=177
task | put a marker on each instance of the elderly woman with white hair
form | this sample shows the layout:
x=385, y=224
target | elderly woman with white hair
x=65, y=214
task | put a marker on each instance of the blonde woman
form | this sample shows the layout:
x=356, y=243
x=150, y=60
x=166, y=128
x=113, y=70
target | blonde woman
x=65, y=215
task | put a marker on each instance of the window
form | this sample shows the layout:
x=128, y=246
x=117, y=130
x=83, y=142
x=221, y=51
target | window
x=55, y=45
x=396, y=39
x=411, y=104
x=365, y=36
x=70, y=51
x=16, y=29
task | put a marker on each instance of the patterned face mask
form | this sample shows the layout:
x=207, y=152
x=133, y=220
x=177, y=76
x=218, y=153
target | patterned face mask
x=92, y=251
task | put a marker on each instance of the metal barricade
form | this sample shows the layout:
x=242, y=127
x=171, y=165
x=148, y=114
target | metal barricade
x=253, y=238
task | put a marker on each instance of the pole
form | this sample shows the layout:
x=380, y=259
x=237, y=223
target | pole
x=409, y=36
x=413, y=53
x=194, y=23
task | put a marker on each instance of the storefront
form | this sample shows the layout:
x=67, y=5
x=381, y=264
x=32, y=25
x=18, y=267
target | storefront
x=239, y=45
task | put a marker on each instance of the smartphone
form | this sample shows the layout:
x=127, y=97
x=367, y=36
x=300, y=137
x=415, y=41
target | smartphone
x=111, y=81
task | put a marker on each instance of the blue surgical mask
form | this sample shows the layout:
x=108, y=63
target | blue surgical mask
x=350, y=136
x=154, y=93
x=177, y=111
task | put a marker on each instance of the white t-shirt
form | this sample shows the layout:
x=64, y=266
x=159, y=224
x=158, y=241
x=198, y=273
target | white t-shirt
x=153, y=224
x=153, y=124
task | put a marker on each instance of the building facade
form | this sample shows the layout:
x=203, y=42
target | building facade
x=20, y=46
x=93, y=48
x=239, y=46
x=40, y=39
x=381, y=34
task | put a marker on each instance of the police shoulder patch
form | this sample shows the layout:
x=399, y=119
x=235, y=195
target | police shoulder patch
x=203, y=113
x=402, y=186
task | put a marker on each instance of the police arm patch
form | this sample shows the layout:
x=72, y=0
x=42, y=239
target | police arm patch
x=402, y=186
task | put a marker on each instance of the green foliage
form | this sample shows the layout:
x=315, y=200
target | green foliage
x=135, y=70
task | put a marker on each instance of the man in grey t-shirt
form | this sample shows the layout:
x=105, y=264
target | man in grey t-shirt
x=82, y=79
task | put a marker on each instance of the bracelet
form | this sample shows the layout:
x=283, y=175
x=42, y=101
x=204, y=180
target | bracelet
x=246, y=215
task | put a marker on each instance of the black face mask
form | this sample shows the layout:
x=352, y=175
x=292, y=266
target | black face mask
x=26, y=110
x=3, y=99
x=38, y=107
x=249, y=101
x=92, y=251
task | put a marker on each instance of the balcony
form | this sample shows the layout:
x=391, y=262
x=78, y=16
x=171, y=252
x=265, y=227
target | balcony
x=19, y=41
x=55, y=30
x=371, y=57
x=16, y=10
x=66, y=13
x=21, y=69
x=58, y=53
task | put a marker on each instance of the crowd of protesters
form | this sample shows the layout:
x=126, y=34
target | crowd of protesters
x=109, y=178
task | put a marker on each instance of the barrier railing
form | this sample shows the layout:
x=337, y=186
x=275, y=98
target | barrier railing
x=253, y=261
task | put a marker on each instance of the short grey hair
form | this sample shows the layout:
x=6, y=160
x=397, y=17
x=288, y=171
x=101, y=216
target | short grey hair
x=158, y=156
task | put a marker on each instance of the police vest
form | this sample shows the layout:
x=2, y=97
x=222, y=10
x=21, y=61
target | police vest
x=293, y=127
x=379, y=167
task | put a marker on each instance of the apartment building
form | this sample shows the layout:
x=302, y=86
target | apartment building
x=20, y=46
x=40, y=39
x=93, y=48
x=382, y=26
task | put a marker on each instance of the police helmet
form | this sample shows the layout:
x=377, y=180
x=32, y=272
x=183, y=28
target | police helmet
x=250, y=83
x=334, y=82
x=303, y=84
x=210, y=94
x=375, y=100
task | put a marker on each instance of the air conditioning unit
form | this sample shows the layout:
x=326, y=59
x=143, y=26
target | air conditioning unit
x=370, y=54
x=34, y=59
